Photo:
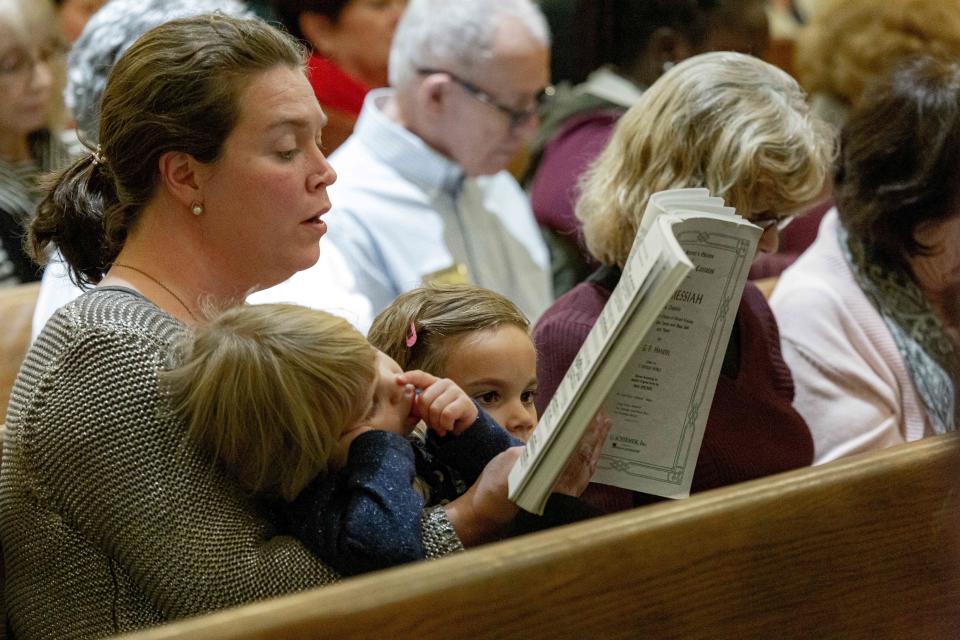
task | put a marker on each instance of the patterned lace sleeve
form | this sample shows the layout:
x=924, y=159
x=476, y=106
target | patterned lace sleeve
x=439, y=538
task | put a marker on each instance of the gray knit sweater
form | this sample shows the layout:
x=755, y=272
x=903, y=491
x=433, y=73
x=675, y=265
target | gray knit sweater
x=109, y=520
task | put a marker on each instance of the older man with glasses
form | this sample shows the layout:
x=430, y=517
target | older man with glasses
x=422, y=195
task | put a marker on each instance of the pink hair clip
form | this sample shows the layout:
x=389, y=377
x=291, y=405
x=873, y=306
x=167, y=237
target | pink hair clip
x=412, y=336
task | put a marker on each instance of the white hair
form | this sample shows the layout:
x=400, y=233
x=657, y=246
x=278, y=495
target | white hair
x=455, y=35
x=108, y=34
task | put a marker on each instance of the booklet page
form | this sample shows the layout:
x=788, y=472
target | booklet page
x=659, y=405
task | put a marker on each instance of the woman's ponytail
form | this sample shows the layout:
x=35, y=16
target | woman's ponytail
x=71, y=217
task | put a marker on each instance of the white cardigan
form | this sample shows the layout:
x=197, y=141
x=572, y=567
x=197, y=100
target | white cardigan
x=852, y=386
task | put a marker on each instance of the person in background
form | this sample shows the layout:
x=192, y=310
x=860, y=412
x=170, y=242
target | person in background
x=350, y=42
x=473, y=336
x=73, y=14
x=741, y=128
x=638, y=41
x=106, y=36
x=31, y=54
x=846, y=45
x=424, y=197
x=869, y=315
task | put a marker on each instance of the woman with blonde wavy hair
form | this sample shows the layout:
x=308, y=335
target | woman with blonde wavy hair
x=741, y=128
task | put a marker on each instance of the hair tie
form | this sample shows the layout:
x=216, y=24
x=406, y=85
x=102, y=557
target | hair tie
x=98, y=157
x=412, y=336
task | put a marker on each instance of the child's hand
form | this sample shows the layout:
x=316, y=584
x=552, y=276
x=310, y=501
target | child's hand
x=443, y=405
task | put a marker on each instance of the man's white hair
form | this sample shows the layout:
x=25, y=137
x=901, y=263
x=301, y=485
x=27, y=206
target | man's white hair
x=455, y=35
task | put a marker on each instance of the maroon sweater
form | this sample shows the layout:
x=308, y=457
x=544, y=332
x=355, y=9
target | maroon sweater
x=752, y=430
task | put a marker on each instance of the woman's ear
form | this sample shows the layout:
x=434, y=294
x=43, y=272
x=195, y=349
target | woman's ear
x=182, y=176
x=320, y=32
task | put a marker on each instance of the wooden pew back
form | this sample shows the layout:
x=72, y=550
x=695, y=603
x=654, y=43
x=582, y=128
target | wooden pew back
x=16, y=318
x=860, y=548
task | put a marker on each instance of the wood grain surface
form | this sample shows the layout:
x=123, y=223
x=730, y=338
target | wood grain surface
x=860, y=548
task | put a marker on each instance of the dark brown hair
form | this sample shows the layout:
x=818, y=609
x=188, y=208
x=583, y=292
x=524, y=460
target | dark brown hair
x=176, y=89
x=289, y=12
x=439, y=313
x=900, y=158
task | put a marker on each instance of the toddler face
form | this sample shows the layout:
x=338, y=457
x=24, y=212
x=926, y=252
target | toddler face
x=392, y=403
x=498, y=369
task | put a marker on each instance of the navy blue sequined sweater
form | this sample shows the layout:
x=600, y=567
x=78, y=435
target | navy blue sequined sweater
x=367, y=516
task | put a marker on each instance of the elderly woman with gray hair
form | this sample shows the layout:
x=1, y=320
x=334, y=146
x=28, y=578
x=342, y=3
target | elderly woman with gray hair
x=741, y=128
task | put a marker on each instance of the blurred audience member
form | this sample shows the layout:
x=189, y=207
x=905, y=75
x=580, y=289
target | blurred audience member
x=73, y=14
x=870, y=315
x=351, y=46
x=850, y=42
x=422, y=196
x=641, y=39
x=31, y=51
x=847, y=44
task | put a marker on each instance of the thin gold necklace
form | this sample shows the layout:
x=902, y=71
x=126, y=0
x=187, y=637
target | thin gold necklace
x=163, y=286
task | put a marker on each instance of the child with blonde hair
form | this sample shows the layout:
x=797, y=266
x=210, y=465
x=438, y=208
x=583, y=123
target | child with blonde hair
x=473, y=336
x=310, y=417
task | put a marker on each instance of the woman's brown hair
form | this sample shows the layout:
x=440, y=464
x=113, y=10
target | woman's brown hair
x=176, y=89
x=900, y=158
x=289, y=12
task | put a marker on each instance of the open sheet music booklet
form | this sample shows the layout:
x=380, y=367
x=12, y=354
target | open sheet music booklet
x=653, y=357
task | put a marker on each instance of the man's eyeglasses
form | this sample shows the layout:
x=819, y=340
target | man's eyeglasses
x=779, y=223
x=517, y=117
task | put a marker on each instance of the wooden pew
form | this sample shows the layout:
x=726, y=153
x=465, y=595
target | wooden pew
x=861, y=548
x=16, y=318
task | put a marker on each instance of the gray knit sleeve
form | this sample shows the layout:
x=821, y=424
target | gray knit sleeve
x=98, y=482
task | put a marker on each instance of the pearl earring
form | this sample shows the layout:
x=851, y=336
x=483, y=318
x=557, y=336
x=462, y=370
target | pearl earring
x=196, y=208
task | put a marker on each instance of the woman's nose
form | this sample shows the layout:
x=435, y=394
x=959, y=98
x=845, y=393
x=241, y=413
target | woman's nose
x=324, y=174
x=41, y=78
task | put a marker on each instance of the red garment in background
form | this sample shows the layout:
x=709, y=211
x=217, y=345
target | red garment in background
x=334, y=87
x=340, y=96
